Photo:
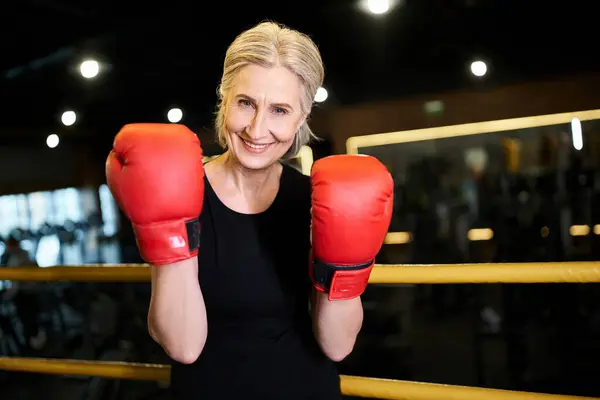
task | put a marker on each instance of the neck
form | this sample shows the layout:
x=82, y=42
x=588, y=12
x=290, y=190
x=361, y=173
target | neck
x=248, y=181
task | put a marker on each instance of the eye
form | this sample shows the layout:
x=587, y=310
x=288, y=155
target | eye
x=244, y=103
x=281, y=111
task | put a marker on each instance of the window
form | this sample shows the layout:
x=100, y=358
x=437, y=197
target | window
x=67, y=206
x=9, y=214
x=14, y=214
x=41, y=209
x=48, y=251
x=110, y=215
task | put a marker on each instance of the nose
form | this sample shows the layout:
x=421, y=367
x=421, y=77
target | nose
x=258, y=126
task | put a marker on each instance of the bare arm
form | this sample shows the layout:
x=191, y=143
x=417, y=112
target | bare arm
x=177, y=315
x=336, y=324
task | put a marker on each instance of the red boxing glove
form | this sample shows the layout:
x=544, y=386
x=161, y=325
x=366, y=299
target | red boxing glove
x=156, y=175
x=352, y=202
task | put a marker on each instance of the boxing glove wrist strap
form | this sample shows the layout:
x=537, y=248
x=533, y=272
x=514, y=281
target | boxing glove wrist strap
x=168, y=242
x=342, y=282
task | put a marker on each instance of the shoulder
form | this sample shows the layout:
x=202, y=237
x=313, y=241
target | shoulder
x=294, y=192
x=295, y=182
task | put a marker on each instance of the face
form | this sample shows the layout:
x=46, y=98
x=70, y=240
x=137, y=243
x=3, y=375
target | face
x=263, y=115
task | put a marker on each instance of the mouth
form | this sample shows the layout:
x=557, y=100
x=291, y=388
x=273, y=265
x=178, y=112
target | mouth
x=256, y=148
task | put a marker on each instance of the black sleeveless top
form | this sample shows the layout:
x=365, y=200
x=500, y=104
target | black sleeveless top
x=253, y=271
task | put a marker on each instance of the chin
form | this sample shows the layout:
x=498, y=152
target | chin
x=252, y=162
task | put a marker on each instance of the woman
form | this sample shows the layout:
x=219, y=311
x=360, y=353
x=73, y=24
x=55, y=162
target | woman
x=235, y=319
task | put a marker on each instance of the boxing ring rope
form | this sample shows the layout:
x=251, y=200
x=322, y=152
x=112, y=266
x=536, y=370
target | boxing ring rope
x=548, y=272
x=474, y=128
x=573, y=272
x=351, y=385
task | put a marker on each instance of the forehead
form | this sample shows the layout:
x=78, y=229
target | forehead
x=276, y=84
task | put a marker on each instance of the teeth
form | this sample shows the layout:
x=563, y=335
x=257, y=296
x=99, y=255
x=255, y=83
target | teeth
x=255, y=146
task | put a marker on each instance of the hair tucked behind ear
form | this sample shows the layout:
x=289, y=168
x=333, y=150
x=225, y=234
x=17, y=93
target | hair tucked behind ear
x=269, y=44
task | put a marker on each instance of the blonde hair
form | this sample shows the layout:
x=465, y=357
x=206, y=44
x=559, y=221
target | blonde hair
x=270, y=44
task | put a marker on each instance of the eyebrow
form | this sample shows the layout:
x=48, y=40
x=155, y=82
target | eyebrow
x=282, y=105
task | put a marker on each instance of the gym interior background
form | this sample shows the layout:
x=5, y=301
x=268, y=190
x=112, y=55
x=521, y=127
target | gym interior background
x=529, y=193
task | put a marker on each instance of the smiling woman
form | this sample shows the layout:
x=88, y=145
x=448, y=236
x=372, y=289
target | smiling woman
x=241, y=305
x=260, y=340
x=255, y=239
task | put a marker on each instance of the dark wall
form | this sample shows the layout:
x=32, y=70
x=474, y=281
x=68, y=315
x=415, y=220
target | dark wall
x=28, y=165
x=29, y=168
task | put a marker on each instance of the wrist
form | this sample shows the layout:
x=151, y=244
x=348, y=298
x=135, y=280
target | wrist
x=340, y=282
x=168, y=242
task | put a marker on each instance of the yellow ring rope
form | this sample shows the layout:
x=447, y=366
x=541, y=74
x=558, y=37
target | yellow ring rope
x=351, y=385
x=564, y=272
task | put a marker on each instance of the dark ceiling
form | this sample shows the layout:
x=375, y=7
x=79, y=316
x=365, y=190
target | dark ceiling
x=157, y=56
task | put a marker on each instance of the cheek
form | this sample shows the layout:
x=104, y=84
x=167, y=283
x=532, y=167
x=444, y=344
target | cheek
x=237, y=120
x=284, y=129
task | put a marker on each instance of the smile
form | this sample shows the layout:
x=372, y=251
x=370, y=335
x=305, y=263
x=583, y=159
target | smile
x=254, y=147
